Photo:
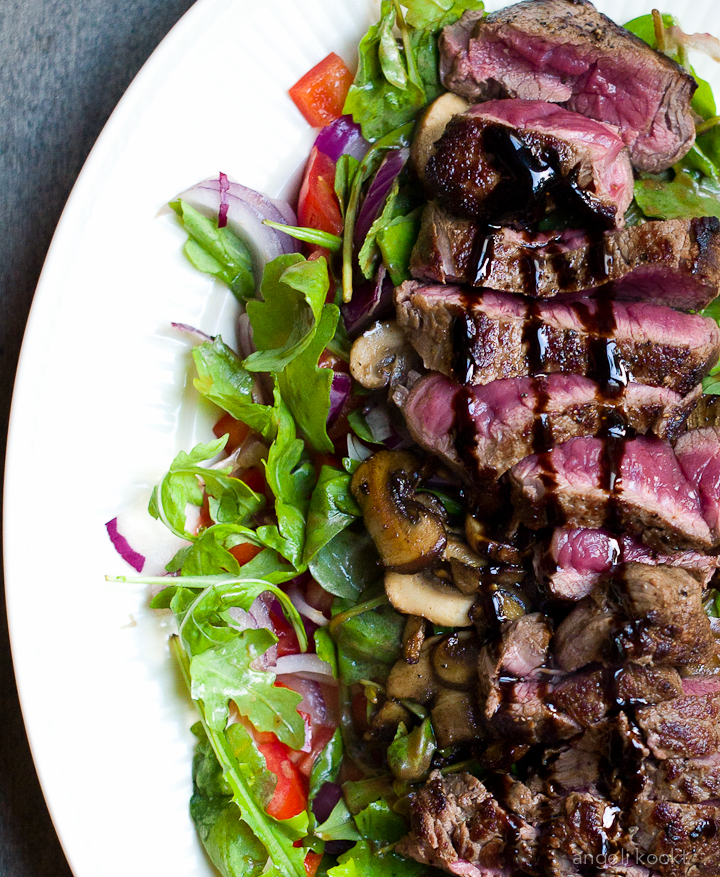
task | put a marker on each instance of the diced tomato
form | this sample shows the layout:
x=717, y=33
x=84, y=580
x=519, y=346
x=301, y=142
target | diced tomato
x=290, y=796
x=204, y=520
x=333, y=361
x=318, y=206
x=321, y=735
x=320, y=94
x=235, y=429
x=312, y=861
x=245, y=552
x=320, y=460
x=287, y=638
x=255, y=479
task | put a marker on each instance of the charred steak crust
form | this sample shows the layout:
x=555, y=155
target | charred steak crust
x=512, y=159
x=479, y=337
x=566, y=52
x=675, y=262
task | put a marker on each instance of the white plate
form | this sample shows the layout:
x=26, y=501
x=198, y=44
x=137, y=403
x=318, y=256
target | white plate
x=97, y=413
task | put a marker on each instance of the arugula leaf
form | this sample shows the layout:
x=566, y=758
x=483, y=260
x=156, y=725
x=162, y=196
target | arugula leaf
x=290, y=475
x=381, y=828
x=345, y=170
x=332, y=508
x=395, y=80
x=688, y=195
x=347, y=564
x=367, y=257
x=396, y=241
x=325, y=649
x=232, y=750
x=310, y=235
x=230, y=500
x=327, y=765
x=225, y=674
x=305, y=386
x=223, y=380
x=210, y=554
x=410, y=754
x=294, y=291
x=217, y=251
x=228, y=840
x=387, y=91
x=340, y=825
x=368, y=637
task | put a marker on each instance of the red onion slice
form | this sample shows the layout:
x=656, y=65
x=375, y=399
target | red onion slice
x=378, y=191
x=303, y=607
x=246, y=210
x=339, y=392
x=123, y=547
x=372, y=300
x=307, y=666
x=342, y=137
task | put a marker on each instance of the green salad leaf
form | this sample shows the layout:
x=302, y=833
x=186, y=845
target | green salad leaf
x=689, y=194
x=396, y=78
x=217, y=251
x=225, y=674
x=347, y=564
x=332, y=509
x=230, y=500
x=223, y=380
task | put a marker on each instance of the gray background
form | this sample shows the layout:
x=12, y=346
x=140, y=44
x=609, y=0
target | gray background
x=64, y=64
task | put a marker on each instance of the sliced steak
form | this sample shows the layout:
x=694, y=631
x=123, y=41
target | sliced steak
x=510, y=159
x=456, y=824
x=675, y=262
x=586, y=634
x=698, y=451
x=566, y=52
x=668, y=624
x=652, y=498
x=522, y=711
x=686, y=727
x=573, y=562
x=577, y=767
x=484, y=430
x=684, y=781
x=644, y=684
x=478, y=338
x=586, y=696
x=678, y=840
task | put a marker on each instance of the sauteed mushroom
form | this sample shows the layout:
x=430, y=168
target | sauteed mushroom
x=381, y=356
x=408, y=535
x=427, y=595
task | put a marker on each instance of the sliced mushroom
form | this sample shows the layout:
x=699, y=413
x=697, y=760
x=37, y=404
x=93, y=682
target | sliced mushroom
x=427, y=595
x=465, y=565
x=382, y=356
x=414, y=681
x=455, y=660
x=482, y=543
x=385, y=722
x=408, y=536
x=431, y=127
x=455, y=718
x=413, y=638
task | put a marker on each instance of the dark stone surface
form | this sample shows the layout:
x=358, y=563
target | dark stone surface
x=65, y=64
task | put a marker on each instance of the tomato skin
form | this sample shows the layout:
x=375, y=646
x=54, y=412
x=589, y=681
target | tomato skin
x=318, y=206
x=288, y=643
x=255, y=479
x=312, y=861
x=235, y=429
x=245, y=552
x=290, y=796
x=320, y=94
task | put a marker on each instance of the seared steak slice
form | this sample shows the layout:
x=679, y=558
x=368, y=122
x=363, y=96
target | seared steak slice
x=679, y=840
x=686, y=727
x=566, y=52
x=675, y=262
x=456, y=824
x=651, y=499
x=683, y=780
x=575, y=561
x=586, y=828
x=667, y=622
x=483, y=431
x=586, y=696
x=698, y=451
x=586, y=634
x=578, y=766
x=643, y=684
x=508, y=159
x=483, y=337
x=523, y=712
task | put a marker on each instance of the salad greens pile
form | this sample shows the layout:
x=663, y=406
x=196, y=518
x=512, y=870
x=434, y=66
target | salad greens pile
x=305, y=522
